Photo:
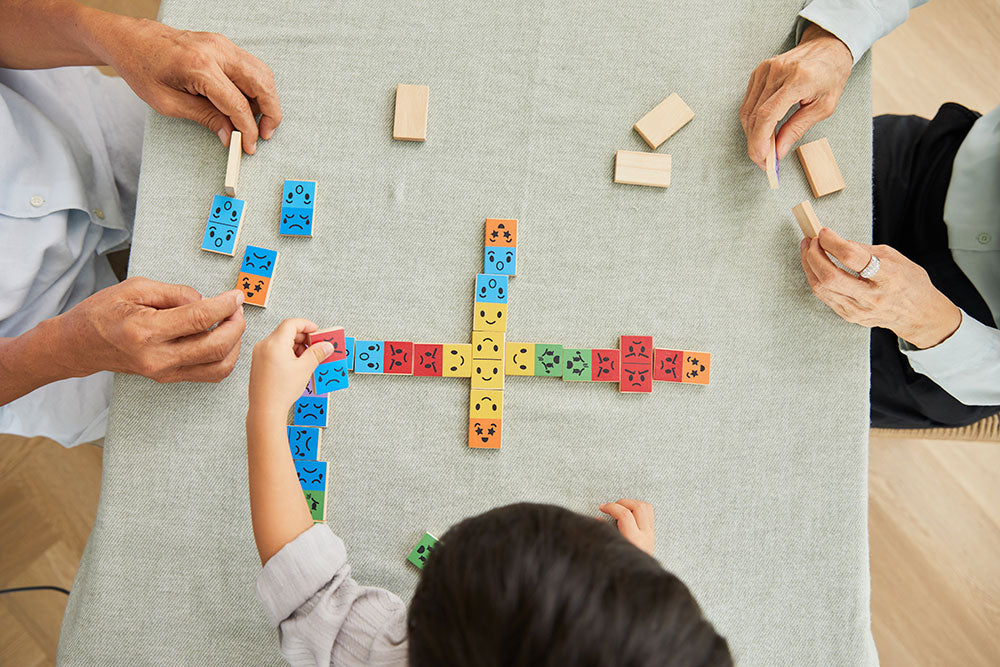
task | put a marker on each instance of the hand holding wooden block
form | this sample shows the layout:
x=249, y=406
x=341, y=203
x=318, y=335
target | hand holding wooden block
x=233, y=165
x=821, y=169
x=808, y=221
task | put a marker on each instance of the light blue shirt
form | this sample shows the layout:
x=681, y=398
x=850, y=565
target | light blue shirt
x=966, y=365
x=70, y=143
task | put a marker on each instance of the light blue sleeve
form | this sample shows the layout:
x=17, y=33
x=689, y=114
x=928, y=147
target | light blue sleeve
x=966, y=365
x=857, y=23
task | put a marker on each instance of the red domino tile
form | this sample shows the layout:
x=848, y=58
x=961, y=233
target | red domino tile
x=637, y=351
x=636, y=379
x=398, y=357
x=606, y=365
x=427, y=359
x=667, y=365
x=334, y=336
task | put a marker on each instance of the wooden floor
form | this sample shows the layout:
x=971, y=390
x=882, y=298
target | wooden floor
x=934, y=505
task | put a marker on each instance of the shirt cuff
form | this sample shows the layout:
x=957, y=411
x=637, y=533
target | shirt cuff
x=854, y=22
x=958, y=357
x=302, y=567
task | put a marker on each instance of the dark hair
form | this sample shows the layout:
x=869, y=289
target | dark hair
x=537, y=585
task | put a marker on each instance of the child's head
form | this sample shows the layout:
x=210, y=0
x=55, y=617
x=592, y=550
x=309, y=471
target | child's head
x=538, y=585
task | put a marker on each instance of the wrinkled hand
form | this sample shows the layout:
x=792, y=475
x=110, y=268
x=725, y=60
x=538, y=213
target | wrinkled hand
x=168, y=333
x=282, y=365
x=635, y=521
x=201, y=76
x=812, y=75
x=900, y=297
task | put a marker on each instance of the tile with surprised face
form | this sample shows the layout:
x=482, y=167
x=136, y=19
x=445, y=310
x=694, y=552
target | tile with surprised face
x=223, y=228
x=500, y=260
x=491, y=288
x=369, y=356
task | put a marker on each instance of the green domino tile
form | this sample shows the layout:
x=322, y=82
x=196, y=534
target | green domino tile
x=317, y=504
x=423, y=550
x=576, y=364
x=548, y=360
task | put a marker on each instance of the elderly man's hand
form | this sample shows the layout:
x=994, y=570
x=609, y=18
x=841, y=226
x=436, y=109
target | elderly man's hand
x=165, y=332
x=812, y=75
x=201, y=76
x=899, y=297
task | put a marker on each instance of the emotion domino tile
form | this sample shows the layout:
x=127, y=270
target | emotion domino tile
x=485, y=433
x=667, y=365
x=422, y=551
x=548, y=360
x=259, y=261
x=398, y=357
x=487, y=374
x=428, y=359
x=311, y=474
x=330, y=376
x=606, y=365
x=820, y=166
x=334, y=336
x=305, y=441
x=486, y=404
x=487, y=345
x=233, y=163
x=298, y=209
x=256, y=289
x=663, y=120
x=637, y=364
x=409, y=121
x=497, y=259
x=807, y=219
x=500, y=233
x=310, y=411
x=634, y=168
x=369, y=356
x=490, y=317
x=222, y=231
x=491, y=288
x=577, y=364
x=349, y=344
x=457, y=360
x=316, y=500
x=771, y=165
x=697, y=367
x=520, y=359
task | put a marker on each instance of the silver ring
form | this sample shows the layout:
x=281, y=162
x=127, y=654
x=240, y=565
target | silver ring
x=872, y=268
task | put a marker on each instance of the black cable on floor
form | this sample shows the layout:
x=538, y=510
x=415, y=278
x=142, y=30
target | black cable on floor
x=34, y=588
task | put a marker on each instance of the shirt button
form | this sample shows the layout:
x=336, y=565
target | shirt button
x=984, y=238
x=99, y=213
x=37, y=200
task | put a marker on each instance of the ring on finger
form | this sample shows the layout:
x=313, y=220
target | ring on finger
x=871, y=269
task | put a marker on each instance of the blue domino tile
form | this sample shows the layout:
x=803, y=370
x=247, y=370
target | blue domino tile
x=310, y=411
x=298, y=208
x=259, y=261
x=500, y=260
x=330, y=376
x=491, y=288
x=312, y=475
x=223, y=227
x=369, y=356
x=349, y=342
x=304, y=441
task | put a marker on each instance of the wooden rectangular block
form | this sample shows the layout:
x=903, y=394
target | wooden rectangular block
x=577, y=364
x=423, y=550
x=312, y=475
x=233, y=163
x=428, y=359
x=334, y=336
x=330, y=376
x=298, y=209
x=501, y=232
x=548, y=360
x=771, y=164
x=256, y=289
x=490, y=317
x=457, y=360
x=487, y=345
x=606, y=365
x=222, y=232
x=259, y=261
x=668, y=365
x=633, y=168
x=304, y=441
x=520, y=359
x=487, y=374
x=637, y=364
x=486, y=404
x=808, y=220
x=663, y=120
x=369, y=356
x=821, y=168
x=310, y=411
x=410, y=121
x=399, y=357
x=697, y=367
x=316, y=500
x=485, y=433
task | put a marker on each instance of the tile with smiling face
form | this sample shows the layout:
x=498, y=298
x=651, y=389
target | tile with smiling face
x=311, y=474
x=697, y=366
x=310, y=411
x=456, y=360
x=256, y=289
x=501, y=232
x=304, y=441
x=487, y=345
x=520, y=359
x=491, y=288
x=500, y=260
x=486, y=404
x=222, y=231
x=484, y=433
x=487, y=374
x=490, y=317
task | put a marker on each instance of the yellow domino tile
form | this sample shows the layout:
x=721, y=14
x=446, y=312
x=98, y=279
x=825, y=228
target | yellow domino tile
x=456, y=360
x=486, y=404
x=490, y=317
x=487, y=373
x=487, y=345
x=520, y=359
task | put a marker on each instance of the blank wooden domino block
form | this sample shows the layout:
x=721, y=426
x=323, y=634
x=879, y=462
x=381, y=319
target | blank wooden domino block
x=808, y=221
x=233, y=164
x=485, y=433
x=771, y=165
x=697, y=367
x=520, y=359
x=634, y=168
x=410, y=122
x=456, y=360
x=666, y=118
x=820, y=167
x=486, y=404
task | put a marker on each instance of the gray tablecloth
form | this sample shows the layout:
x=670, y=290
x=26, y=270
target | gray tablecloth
x=758, y=480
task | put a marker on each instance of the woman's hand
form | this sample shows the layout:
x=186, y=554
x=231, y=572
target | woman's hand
x=900, y=297
x=635, y=521
x=281, y=367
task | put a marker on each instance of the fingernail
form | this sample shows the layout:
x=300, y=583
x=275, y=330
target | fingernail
x=239, y=298
x=223, y=136
x=253, y=147
x=326, y=348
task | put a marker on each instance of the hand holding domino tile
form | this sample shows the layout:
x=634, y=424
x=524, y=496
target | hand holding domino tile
x=282, y=365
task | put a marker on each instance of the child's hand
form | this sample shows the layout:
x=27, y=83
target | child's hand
x=281, y=367
x=635, y=521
